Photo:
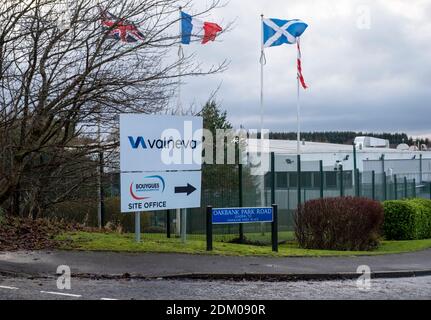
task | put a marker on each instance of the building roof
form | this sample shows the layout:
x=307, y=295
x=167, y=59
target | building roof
x=289, y=147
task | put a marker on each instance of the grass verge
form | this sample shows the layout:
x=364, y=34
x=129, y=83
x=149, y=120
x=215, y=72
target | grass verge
x=125, y=243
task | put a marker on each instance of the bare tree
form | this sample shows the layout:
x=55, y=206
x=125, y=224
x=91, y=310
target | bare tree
x=61, y=74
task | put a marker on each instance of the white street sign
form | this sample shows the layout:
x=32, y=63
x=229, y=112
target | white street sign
x=160, y=143
x=153, y=191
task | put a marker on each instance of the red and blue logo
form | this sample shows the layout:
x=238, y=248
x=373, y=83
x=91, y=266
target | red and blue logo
x=151, y=184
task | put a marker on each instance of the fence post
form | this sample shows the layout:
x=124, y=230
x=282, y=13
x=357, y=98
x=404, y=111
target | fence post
x=395, y=187
x=274, y=228
x=373, y=184
x=355, y=171
x=430, y=190
x=385, y=187
x=341, y=182
x=420, y=169
x=209, y=225
x=406, y=193
x=272, y=177
x=359, y=184
x=168, y=224
x=414, y=188
x=299, y=179
x=321, y=179
x=241, y=226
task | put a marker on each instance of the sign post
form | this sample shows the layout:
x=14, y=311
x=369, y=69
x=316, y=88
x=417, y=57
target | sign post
x=209, y=225
x=184, y=225
x=138, y=227
x=274, y=228
x=161, y=163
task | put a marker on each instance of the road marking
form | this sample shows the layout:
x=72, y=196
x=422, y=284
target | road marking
x=108, y=299
x=62, y=294
x=9, y=288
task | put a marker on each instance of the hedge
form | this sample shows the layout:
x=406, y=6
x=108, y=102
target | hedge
x=408, y=219
x=345, y=223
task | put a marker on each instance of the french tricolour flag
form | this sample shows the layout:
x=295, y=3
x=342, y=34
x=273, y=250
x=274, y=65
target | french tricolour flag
x=192, y=27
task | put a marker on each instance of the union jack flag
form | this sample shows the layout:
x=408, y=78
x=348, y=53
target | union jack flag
x=120, y=29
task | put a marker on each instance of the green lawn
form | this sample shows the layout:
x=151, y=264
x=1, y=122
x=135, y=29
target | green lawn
x=125, y=243
x=255, y=237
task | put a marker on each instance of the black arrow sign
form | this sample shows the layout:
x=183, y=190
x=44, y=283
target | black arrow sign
x=189, y=189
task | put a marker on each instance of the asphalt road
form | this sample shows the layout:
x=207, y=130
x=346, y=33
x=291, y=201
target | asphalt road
x=164, y=265
x=46, y=289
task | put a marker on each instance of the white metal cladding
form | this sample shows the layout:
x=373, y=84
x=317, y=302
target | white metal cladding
x=393, y=166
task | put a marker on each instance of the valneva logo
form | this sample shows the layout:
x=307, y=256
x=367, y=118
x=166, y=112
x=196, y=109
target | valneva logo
x=140, y=141
x=139, y=191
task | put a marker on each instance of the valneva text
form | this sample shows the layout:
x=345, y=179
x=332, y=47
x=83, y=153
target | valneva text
x=165, y=143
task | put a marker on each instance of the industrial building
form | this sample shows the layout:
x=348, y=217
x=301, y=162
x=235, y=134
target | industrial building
x=382, y=172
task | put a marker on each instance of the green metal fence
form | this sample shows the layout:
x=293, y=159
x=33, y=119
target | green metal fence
x=310, y=181
x=287, y=181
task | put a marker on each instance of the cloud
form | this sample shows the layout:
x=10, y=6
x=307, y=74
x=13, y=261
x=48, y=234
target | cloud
x=372, y=79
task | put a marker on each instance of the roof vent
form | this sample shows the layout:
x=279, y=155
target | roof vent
x=403, y=147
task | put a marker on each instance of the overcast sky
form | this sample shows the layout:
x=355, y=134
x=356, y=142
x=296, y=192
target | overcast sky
x=368, y=73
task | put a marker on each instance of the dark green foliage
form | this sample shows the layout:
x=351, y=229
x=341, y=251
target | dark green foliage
x=214, y=117
x=344, y=223
x=217, y=176
x=407, y=219
x=399, y=220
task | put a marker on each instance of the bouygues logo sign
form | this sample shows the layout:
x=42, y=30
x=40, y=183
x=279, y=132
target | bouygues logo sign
x=149, y=186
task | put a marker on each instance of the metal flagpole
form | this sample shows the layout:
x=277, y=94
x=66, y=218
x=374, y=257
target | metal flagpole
x=179, y=225
x=99, y=171
x=262, y=63
x=180, y=58
x=298, y=108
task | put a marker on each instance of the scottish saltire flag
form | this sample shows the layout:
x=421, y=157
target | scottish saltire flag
x=277, y=32
x=120, y=29
x=192, y=27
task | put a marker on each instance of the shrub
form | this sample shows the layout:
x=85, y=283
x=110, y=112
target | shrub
x=426, y=209
x=407, y=219
x=339, y=224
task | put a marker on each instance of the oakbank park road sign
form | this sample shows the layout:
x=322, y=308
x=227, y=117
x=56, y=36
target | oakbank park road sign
x=153, y=143
x=160, y=191
x=241, y=215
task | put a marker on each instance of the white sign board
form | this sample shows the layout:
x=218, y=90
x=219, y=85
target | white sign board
x=160, y=191
x=160, y=143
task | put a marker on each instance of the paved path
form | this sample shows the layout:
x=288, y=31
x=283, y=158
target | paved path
x=45, y=263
